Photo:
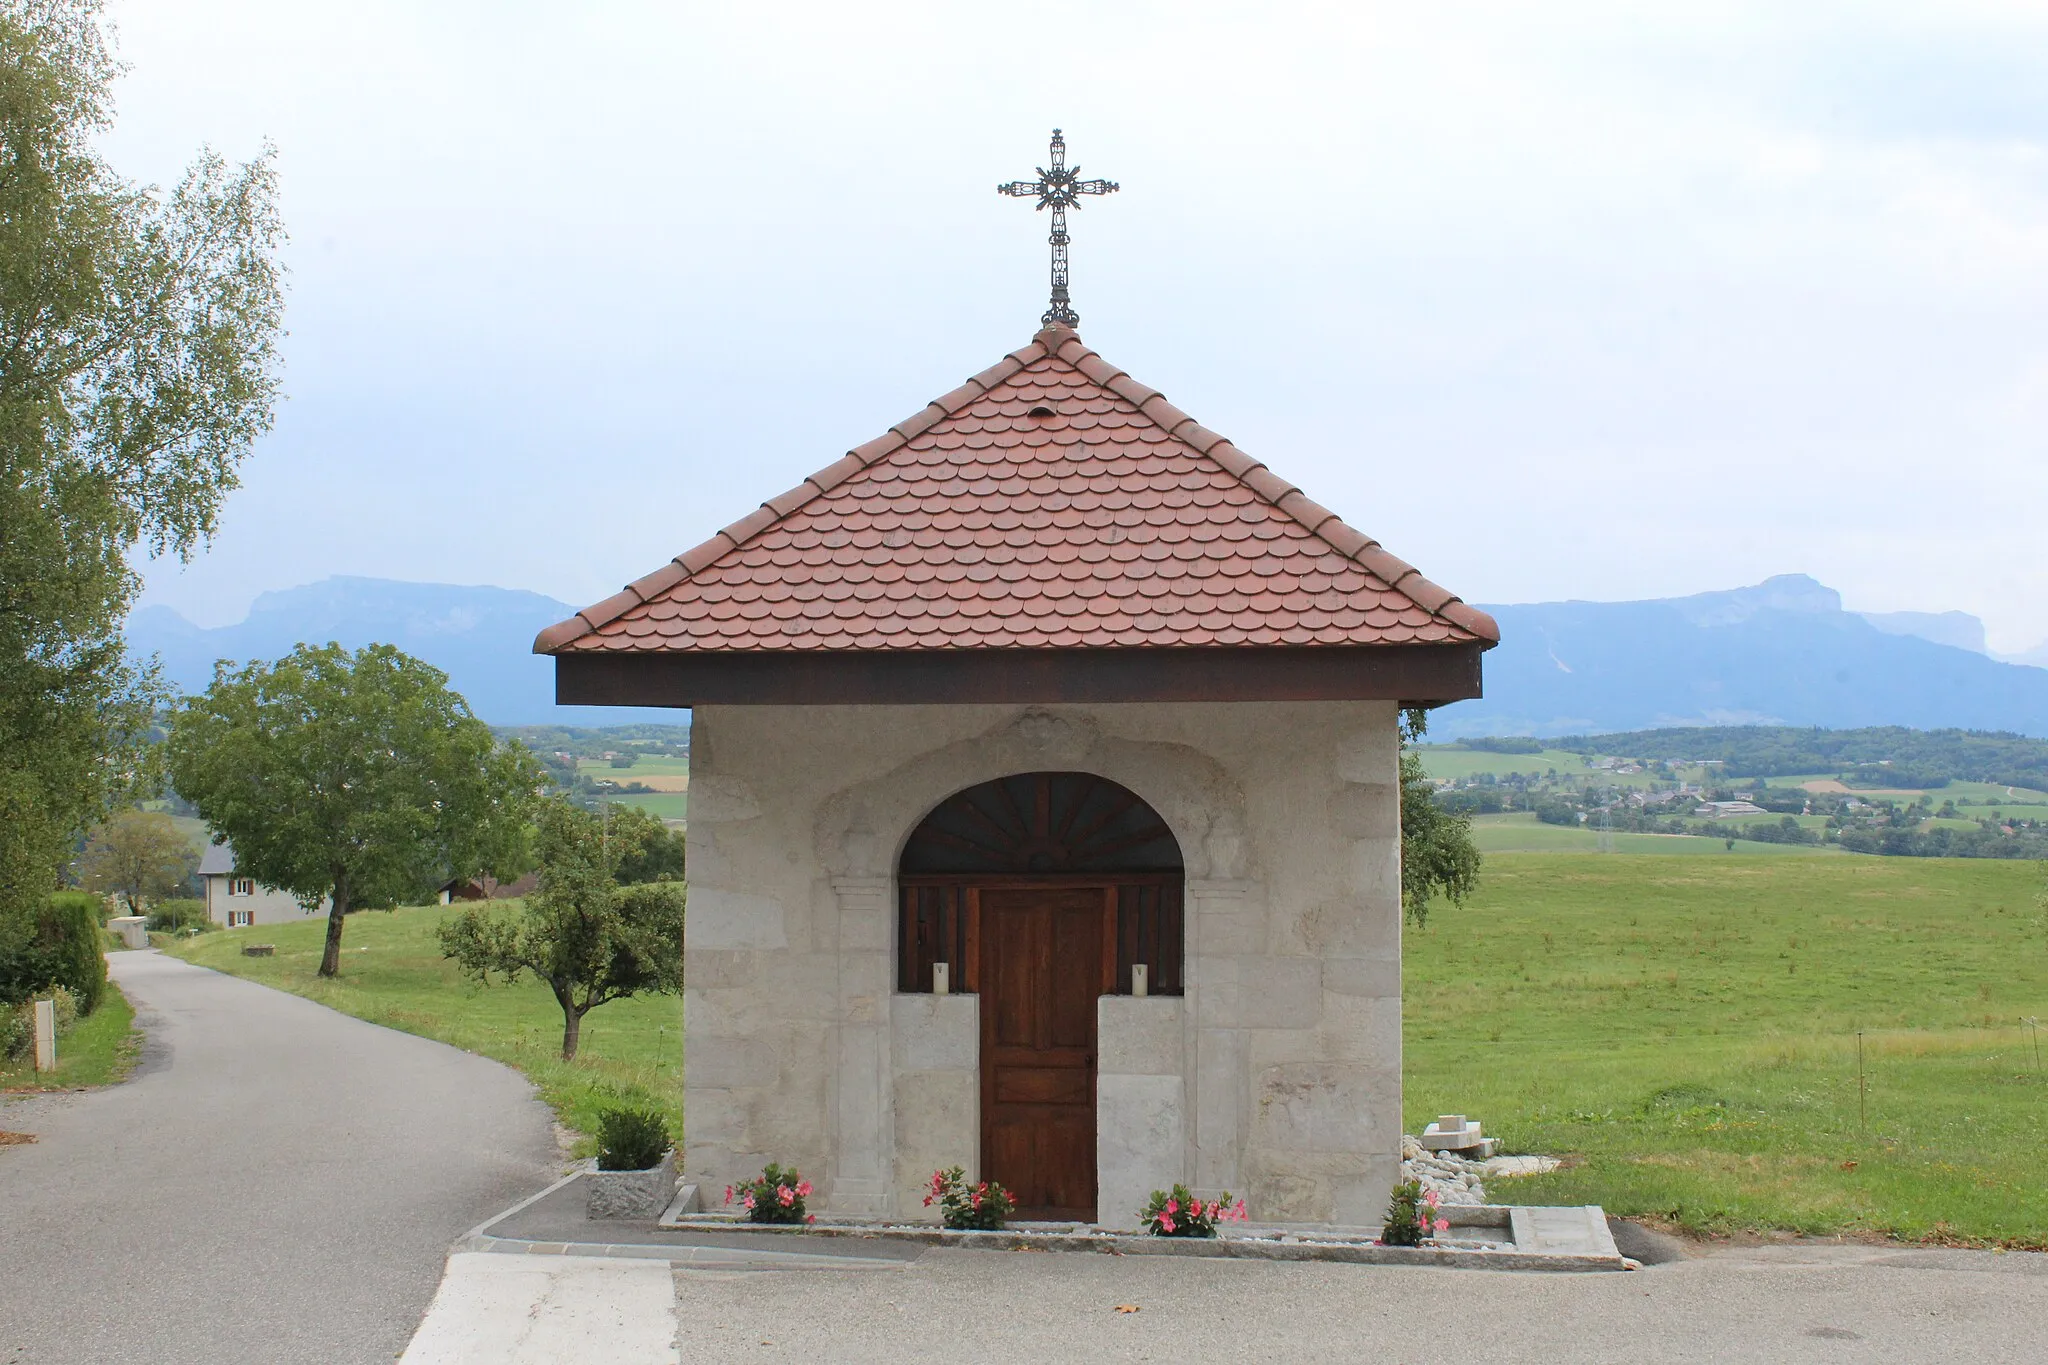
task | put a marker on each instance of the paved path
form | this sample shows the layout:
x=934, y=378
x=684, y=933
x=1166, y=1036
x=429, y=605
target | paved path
x=277, y=1183
x=1826, y=1305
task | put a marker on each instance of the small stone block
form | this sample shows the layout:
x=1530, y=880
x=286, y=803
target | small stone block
x=1453, y=1133
x=259, y=950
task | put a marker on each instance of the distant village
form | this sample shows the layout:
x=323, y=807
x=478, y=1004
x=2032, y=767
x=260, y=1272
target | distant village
x=1693, y=797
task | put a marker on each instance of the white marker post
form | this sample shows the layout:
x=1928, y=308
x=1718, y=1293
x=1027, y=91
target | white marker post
x=46, y=1035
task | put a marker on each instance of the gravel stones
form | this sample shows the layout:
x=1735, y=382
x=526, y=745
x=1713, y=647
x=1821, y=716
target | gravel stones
x=1458, y=1181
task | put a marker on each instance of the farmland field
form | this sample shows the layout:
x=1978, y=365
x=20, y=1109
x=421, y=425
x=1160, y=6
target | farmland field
x=1684, y=1031
x=1522, y=832
x=671, y=806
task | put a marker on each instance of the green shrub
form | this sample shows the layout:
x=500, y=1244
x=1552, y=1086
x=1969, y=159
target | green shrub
x=172, y=915
x=56, y=944
x=631, y=1139
x=73, y=930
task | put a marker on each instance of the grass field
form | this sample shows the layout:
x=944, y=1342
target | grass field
x=643, y=767
x=1522, y=832
x=1685, y=1032
x=392, y=973
x=100, y=1049
x=665, y=805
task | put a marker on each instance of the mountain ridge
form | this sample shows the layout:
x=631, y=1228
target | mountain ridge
x=1780, y=652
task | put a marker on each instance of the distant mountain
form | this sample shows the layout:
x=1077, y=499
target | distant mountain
x=2037, y=656
x=481, y=637
x=1780, y=653
x=1955, y=628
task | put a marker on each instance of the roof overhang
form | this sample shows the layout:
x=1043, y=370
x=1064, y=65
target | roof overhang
x=1415, y=675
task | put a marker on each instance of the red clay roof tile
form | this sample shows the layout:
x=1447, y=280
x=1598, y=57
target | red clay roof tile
x=977, y=525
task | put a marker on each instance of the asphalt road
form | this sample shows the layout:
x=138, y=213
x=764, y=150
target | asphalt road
x=1827, y=1305
x=277, y=1183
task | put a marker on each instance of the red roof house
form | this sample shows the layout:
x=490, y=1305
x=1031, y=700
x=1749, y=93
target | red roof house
x=1044, y=810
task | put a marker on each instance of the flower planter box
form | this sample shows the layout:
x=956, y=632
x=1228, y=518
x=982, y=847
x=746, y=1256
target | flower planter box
x=631, y=1194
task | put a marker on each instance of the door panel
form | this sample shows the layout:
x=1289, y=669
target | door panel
x=1041, y=971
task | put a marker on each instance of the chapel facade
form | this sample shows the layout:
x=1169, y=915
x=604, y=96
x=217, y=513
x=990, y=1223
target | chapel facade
x=1044, y=811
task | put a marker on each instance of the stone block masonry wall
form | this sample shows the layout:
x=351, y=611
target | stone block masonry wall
x=1284, y=1084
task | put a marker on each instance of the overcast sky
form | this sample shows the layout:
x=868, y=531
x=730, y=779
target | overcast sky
x=1572, y=300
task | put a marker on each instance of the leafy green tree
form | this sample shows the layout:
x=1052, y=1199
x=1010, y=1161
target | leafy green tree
x=588, y=938
x=647, y=850
x=139, y=856
x=1438, y=857
x=137, y=365
x=359, y=777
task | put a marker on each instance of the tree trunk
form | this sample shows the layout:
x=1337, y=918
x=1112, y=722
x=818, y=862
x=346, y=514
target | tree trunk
x=572, y=1023
x=330, y=961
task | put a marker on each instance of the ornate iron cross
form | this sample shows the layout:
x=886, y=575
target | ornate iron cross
x=1058, y=189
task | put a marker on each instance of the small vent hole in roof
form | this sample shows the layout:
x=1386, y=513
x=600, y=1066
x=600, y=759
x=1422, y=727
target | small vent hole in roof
x=1041, y=411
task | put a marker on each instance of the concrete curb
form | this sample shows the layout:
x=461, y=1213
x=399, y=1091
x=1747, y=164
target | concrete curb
x=480, y=1238
x=1231, y=1248
x=1572, y=1240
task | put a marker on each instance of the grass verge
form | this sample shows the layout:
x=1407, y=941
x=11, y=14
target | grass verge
x=1684, y=1030
x=100, y=1049
x=392, y=973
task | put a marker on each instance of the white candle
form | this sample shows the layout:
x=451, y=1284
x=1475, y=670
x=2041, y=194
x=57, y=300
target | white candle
x=942, y=978
x=1141, y=979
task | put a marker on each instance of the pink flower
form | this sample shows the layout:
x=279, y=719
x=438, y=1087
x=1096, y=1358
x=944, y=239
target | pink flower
x=728, y=1194
x=810, y=1218
x=746, y=1201
x=784, y=1195
x=1194, y=1208
x=1166, y=1221
x=1443, y=1225
x=1173, y=1206
x=803, y=1189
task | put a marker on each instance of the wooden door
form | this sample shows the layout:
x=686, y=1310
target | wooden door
x=1041, y=971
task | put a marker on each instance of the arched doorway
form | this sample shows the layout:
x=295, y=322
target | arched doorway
x=1040, y=892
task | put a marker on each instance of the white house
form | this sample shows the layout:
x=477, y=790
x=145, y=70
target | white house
x=236, y=900
x=1044, y=808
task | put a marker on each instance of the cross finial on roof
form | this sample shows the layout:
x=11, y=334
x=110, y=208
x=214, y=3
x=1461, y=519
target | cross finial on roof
x=1058, y=188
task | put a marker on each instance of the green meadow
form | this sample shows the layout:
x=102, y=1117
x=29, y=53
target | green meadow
x=392, y=973
x=1684, y=1031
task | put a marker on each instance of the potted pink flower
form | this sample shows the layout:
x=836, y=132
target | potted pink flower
x=776, y=1196
x=981, y=1207
x=1413, y=1217
x=1177, y=1213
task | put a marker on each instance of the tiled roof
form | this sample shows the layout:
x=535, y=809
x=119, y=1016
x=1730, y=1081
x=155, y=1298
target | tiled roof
x=1050, y=502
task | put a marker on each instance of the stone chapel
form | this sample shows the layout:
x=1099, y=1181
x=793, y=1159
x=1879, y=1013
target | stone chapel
x=1044, y=813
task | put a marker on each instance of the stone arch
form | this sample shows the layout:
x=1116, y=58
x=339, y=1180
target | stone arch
x=861, y=831
x=1044, y=822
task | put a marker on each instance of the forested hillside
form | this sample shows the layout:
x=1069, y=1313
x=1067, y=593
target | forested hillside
x=1880, y=756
